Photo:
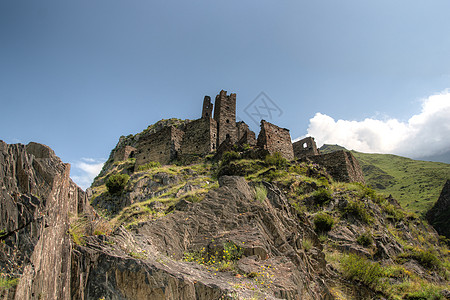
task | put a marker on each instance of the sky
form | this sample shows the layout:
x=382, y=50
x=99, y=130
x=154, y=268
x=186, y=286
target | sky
x=372, y=76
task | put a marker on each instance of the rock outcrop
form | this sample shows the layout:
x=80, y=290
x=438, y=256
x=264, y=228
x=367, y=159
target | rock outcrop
x=37, y=199
x=439, y=214
x=147, y=262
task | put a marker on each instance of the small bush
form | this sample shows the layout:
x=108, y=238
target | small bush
x=425, y=258
x=394, y=212
x=7, y=282
x=307, y=244
x=365, y=239
x=358, y=210
x=426, y=293
x=322, y=196
x=116, y=183
x=260, y=192
x=149, y=165
x=276, y=160
x=227, y=157
x=231, y=251
x=361, y=269
x=323, y=222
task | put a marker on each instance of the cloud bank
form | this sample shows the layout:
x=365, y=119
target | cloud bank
x=84, y=171
x=424, y=134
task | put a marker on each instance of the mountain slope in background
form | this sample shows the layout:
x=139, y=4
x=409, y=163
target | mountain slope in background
x=443, y=157
x=415, y=184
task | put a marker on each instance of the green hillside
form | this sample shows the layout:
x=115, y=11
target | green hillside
x=415, y=184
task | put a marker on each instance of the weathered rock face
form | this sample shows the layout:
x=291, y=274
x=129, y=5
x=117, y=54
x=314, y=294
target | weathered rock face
x=439, y=214
x=37, y=196
x=146, y=263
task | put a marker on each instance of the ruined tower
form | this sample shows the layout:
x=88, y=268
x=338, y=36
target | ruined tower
x=305, y=147
x=225, y=116
x=207, y=108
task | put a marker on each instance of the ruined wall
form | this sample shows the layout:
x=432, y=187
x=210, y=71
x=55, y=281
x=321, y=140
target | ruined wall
x=123, y=153
x=207, y=108
x=200, y=137
x=275, y=139
x=225, y=115
x=245, y=135
x=161, y=146
x=341, y=165
x=305, y=147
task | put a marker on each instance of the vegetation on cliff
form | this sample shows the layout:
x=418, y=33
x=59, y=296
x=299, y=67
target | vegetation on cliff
x=366, y=237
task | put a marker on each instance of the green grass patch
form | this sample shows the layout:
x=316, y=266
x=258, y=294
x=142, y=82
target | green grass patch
x=260, y=192
x=358, y=210
x=323, y=222
x=149, y=165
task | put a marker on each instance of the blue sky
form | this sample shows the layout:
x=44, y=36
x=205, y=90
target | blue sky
x=77, y=75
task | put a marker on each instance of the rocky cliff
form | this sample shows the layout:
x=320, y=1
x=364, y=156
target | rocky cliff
x=439, y=214
x=37, y=199
x=268, y=229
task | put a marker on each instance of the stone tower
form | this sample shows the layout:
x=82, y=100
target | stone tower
x=225, y=116
x=207, y=108
x=305, y=147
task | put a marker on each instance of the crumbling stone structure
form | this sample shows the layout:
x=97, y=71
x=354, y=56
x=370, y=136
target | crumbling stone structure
x=200, y=137
x=305, y=147
x=244, y=135
x=207, y=108
x=161, y=146
x=225, y=116
x=124, y=153
x=219, y=132
x=341, y=165
x=275, y=139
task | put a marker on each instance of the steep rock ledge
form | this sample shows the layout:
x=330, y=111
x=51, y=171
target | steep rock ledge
x=37, y=199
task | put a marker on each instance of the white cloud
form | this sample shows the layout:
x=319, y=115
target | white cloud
x=85, y=170
x=427, y=133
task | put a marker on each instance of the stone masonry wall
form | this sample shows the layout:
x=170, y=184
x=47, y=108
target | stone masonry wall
x=225, y=115
x=305, y=147
x=341, y=165
x=124, y=153
x=275, y=139
x=161, y=146
x=207, y=108
x=245, y=135
x=200, y=137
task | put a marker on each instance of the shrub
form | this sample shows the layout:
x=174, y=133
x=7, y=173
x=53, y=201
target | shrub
x=149, y=165
x=231, y=251
x=276, y=160
x=323, y=222
x=322, y=196
x=429, y=292
x=358, y=268
x=394, y=212
x=229, y=156
x=426, y=258
x=307, y=244
x=7, y=282
x=260, y=192
x=358, y=210
x=365, y=239
x=116, y=183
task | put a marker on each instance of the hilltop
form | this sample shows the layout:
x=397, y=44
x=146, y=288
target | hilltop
x=202, y=209
x=415, y=184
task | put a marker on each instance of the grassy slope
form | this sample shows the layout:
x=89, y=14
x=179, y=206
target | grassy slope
x=415, y=184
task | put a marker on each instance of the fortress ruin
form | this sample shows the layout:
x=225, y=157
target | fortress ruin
x=217, y=132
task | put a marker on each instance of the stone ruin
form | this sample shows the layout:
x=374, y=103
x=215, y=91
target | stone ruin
x=305, y=147
x=217, y=132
